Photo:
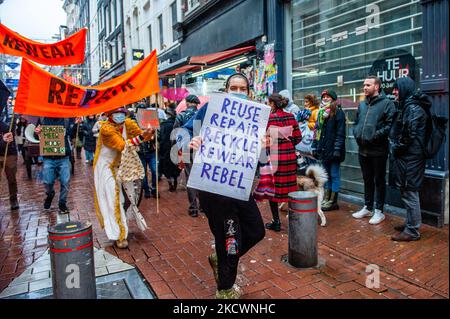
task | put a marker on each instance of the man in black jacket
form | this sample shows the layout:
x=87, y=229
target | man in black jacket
x=372, y=125
x=407, y=165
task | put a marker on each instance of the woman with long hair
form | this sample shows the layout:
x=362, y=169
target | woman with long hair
x=331, y=146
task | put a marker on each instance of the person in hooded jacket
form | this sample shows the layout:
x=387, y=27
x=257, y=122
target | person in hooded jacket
x=290, y=107
x=407, y=161
x=168, y=167
x=88, y=138
x=372, y=126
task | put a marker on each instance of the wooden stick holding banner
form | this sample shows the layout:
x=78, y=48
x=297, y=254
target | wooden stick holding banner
x=7, y=146
x=157, y=172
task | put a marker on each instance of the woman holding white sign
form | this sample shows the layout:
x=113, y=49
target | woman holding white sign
x=237, y=225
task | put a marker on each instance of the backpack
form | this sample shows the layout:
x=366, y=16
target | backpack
x=435, y=138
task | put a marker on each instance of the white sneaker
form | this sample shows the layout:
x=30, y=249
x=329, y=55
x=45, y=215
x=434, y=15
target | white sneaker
x=362, y=213
x=377, y=218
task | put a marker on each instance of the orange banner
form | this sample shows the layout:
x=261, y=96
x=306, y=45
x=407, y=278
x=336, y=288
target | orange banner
x=43, y=94
x=65, y=52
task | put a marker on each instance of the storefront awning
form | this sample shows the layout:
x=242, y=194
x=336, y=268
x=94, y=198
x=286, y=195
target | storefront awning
x=196, y=62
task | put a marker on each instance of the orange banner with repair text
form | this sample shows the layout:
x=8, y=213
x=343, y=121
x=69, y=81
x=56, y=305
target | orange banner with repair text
x=65, y=52
x=42, y=94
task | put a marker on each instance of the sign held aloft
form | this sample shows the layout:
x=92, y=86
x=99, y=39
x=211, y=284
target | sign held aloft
x=65, y=52
x=147, y=118
x=51, y=140
x=231, y=136
x=41, y=93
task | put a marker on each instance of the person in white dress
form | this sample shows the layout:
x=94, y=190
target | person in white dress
x=108, y=195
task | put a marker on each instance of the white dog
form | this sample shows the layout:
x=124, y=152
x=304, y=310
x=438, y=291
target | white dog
x=314, y=181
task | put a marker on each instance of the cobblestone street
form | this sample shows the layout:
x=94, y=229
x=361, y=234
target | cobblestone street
x=172, y=253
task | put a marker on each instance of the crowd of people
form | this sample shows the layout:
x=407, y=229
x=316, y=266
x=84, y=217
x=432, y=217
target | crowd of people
x=384, y=129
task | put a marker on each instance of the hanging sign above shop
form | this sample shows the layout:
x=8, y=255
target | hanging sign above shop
x=138, y=54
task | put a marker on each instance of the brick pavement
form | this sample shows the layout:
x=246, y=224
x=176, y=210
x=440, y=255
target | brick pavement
x=171, y=254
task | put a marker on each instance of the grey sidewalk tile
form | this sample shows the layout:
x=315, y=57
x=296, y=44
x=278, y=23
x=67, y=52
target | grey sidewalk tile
x=15, y=290
x=119, y=268
x=40, y=284
x=31, y=278
x=101, y=271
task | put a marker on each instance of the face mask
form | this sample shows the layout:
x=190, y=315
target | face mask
x=240, y=95
x=118, y=118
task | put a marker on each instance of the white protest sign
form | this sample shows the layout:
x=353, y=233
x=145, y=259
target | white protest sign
x=231, y=135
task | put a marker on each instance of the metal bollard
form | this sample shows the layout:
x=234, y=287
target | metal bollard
x=72, y=261
x=302, y=229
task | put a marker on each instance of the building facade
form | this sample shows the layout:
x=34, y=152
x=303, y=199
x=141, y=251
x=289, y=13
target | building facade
x=336, y=44
x=149, y=26
x=78, y=17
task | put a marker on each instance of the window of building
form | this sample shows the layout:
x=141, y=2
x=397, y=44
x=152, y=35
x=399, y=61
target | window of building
x=173, y=9
x=119, y=11
x=108, y=19
x=100, y=20
x=161, y=32
x=336, y=44
x=119, y=46
x=191, y=5
x=113, y=15
x=150, y=41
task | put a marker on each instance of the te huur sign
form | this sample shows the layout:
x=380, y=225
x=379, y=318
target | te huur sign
x=51, y=140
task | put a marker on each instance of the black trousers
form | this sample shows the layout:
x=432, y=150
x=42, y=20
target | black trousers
x=237, y=226
x=374, y=175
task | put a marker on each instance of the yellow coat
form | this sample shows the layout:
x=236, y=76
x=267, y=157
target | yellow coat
x=111, y=137
x=313, y=118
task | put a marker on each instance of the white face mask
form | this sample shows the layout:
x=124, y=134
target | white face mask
x=118, y=118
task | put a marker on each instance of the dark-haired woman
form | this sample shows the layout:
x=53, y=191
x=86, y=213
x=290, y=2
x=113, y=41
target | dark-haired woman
x=284, y=128
x=331, y=146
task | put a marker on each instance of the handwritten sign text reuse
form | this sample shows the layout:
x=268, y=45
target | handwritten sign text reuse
x=231, y=135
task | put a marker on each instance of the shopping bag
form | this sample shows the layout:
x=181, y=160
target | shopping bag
x=305, y=147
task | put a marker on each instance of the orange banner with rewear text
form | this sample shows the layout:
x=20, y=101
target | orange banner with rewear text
x=65, y=52
x=43, y=94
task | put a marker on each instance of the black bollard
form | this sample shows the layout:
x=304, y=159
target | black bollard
x=72, y=261
x=302, y=229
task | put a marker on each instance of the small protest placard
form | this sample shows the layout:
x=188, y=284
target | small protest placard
x=231, y=136
x=51, y=140
x=146, y=118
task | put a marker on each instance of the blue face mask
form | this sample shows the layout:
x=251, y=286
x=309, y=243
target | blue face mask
x=240, y=95
x=118, y=118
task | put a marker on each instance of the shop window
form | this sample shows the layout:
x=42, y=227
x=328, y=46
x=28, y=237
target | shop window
x=336, y=44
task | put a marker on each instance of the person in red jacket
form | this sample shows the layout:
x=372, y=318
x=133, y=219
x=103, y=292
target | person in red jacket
x=282, y=155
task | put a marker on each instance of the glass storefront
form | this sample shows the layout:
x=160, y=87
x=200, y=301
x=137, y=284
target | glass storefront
x=337, y=43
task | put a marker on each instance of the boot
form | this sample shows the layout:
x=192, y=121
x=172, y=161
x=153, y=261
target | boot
x=233, y=293
x=275, y=225
x=14, y=203
x=122, y=244
x=214, y=263
x=326, y=196
x=48, y=200
x=332, y=203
